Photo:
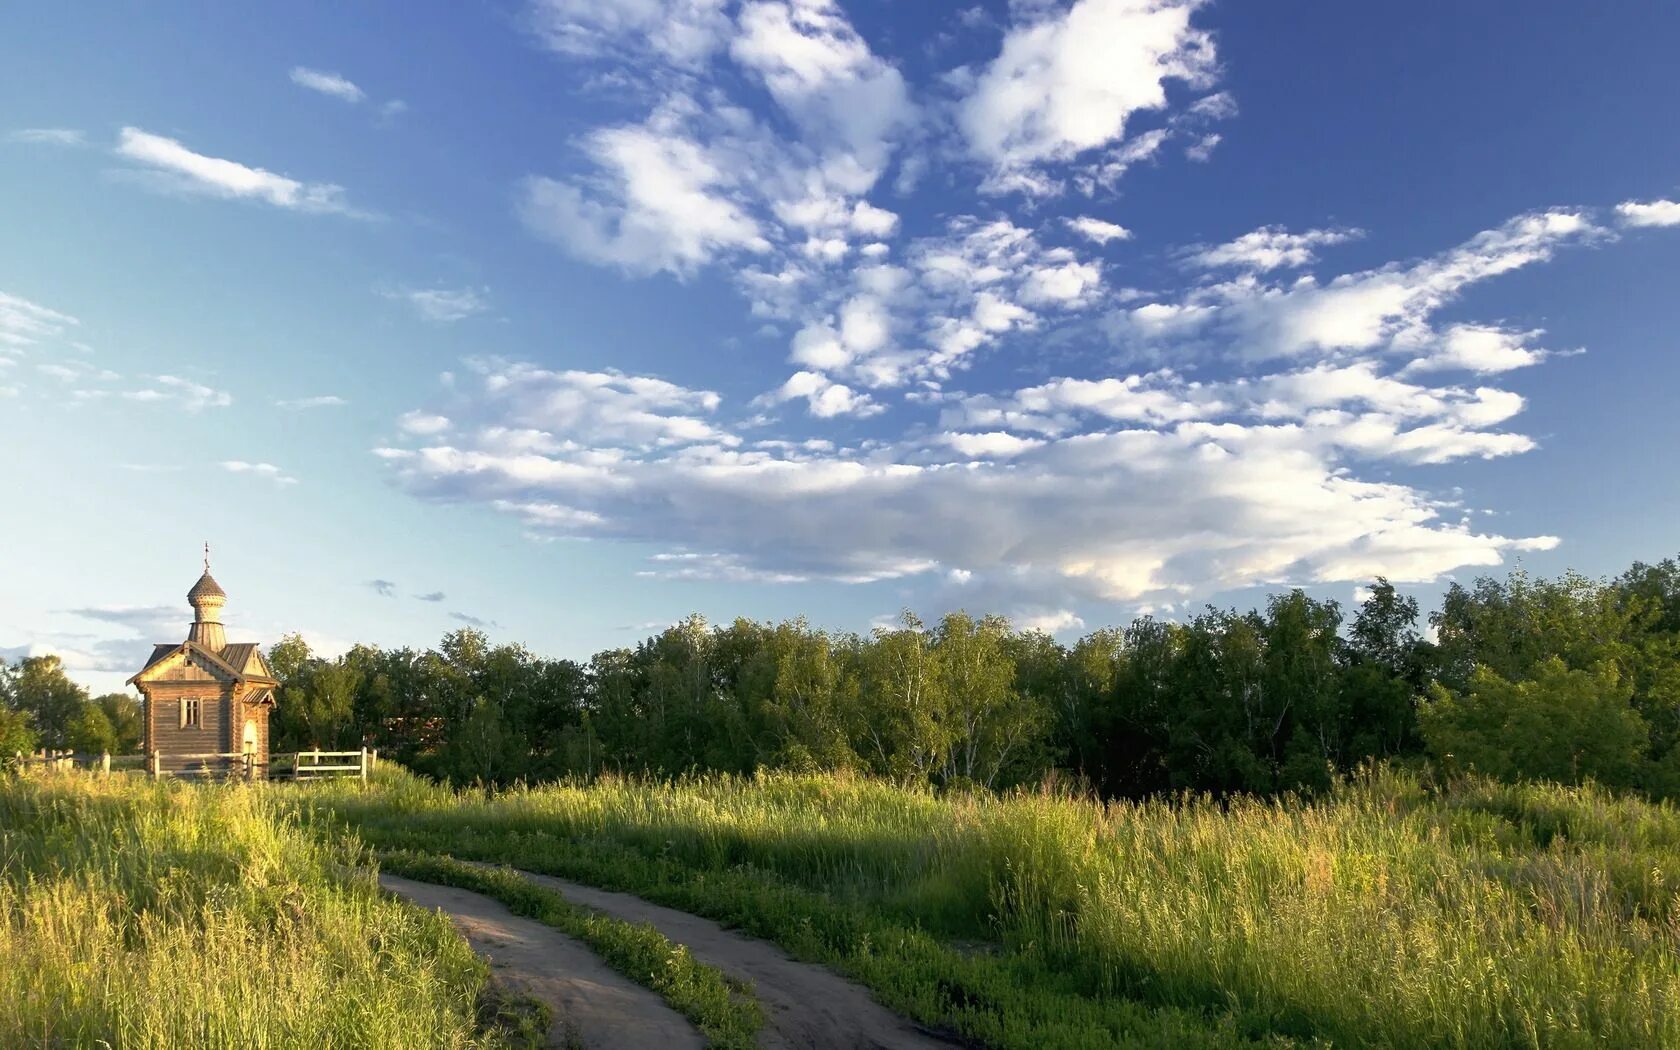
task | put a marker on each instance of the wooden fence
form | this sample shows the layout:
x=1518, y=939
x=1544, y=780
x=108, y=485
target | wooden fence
x=322, y=765
x=210, y=765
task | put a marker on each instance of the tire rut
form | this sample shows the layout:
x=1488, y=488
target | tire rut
x=806, y=1006
x=593, y=1006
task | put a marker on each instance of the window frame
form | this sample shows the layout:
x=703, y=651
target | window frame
x=192, y=712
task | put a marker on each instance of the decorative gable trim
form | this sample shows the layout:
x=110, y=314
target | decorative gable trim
x=190, y=654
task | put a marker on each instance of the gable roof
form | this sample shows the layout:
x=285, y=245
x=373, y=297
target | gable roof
x=247, y=659
x=159, y=651
x=238, y=655
x=212, y=660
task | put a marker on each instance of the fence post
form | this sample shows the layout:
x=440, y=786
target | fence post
x=156, y=764
x=373, y=761
x=363, y=771
x=105, y=763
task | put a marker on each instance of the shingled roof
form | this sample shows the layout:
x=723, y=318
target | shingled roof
x=206, y=587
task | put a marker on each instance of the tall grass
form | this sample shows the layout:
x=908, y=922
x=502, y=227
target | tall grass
x=1387, y=914
x=135, y=914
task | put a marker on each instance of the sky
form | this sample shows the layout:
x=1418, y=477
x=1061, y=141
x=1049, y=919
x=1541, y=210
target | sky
x=567, y=318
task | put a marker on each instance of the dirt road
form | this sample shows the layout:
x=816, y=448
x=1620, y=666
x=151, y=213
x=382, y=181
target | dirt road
x=594, y=1006
x=806, y=1007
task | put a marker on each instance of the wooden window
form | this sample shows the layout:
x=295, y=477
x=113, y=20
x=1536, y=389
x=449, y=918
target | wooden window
x=191, y=713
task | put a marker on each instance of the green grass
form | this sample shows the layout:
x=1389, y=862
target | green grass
x=727, y=1014
x=165, y=915
x=1386, y=914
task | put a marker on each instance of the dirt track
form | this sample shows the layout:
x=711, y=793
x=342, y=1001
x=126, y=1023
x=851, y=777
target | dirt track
x=594, y=1006
x=806, y=1007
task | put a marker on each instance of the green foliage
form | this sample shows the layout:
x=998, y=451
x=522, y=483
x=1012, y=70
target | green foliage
x=38, y=686
x=1277, y=699
x=1563, y=725
x=288, y=657
x=17, y=733
x=41, y=707
x=109, y=724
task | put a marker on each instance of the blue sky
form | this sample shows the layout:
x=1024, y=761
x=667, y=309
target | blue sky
x=570, y=317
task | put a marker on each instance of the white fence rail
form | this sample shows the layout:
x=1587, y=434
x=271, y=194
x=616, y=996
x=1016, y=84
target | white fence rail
x=233, y=765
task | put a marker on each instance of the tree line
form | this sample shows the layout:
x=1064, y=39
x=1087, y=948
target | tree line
x=1565, y=679
x=41, y=707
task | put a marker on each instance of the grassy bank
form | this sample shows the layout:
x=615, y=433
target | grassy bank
x=135, y=914
x=1385, y=915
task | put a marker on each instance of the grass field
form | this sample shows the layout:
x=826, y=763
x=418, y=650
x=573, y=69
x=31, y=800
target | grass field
x=166, y=915
x=1386, y=915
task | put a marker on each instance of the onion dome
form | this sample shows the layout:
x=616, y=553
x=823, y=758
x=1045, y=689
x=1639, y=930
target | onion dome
x=206, y=587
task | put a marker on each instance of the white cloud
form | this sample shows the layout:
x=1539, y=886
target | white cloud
x=549, y=517
x=1137, y=512
x=1098, y=230
x=683, y=32
x=1649, y=213
x=184, y=393
x=872, y=221
x=1270, y=248
x=1064, y=284
x=327, y=84
x=1067, y=83
x=1050, y=622
x=1248, y=462
x=1161, y=485
x=319, y=401
x=848, y=102
x=994, y=444
x=1202, y=149
x=825, y=399
x=181, y=169
x=662, y=201
x=48, y=137
x=425, y=424
x=1055, y=407
x=702, y=178
x=1221, y=105
x=1387, y=308
x=536, y=410
x=1479, y=348
x=719, y=565
x=442, y=305
x=957, y=292
x=24, y=323
x=267, y=471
